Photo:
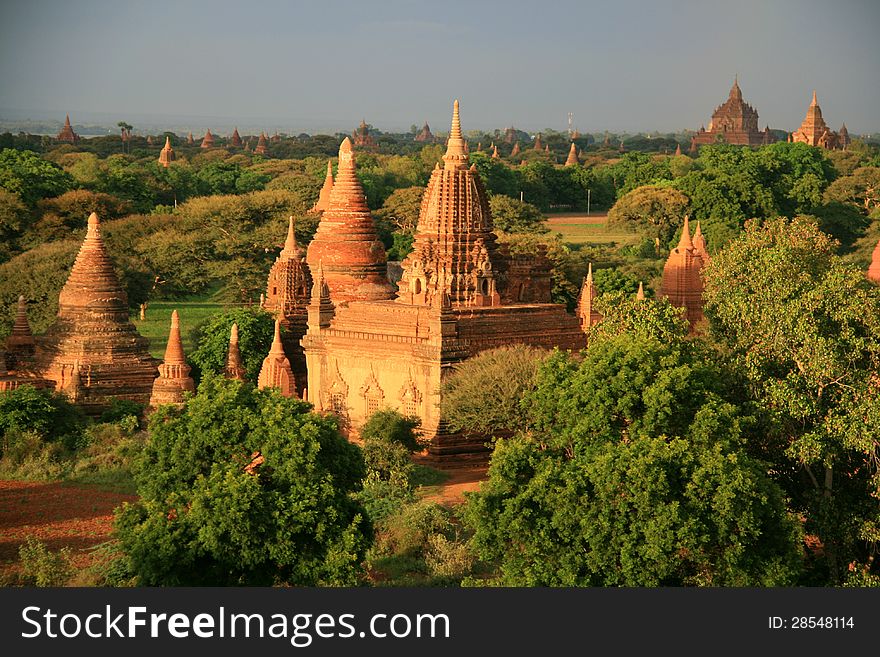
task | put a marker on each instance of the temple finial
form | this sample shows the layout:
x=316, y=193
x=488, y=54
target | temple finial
x=686, y=241
x=640, y=295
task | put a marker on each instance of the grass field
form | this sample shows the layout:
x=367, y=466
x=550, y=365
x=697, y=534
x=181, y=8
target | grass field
x=155, y=326
x=582, y=229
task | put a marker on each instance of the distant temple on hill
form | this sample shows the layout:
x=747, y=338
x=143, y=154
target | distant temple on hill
x=362, y=138
x=424, y=135
x=733, y=122
x=67, y=134
x=815, y=132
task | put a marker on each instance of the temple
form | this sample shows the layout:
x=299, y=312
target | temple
x=682, y=281
x=815, y=132
x=346, y=242
x=189, y=139
x=67, y=134
x=174, y=380
x=323, y=201
x=166, y=155
x=538, y=144
x=733, y=122
x=362, y=138
x=276, y=372
x=93, y=352
x=510, y=135
x=572, y=159
x=586, y=313
x=208, y=140
x=287, y=298
x=515, y=151
x=235, y=139
x=460, y=294
x=425, y=135
x=234, y=364
x=262, y=147
x=874, y=269
x=495, y=155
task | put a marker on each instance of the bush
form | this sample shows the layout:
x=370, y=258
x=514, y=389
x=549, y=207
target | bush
x=448, y=559
x=47, y=414
x=42, y=567
x=256, y=330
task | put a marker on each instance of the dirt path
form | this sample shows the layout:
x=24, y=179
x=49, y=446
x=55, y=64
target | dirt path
x=57, y=514
x=461, y=480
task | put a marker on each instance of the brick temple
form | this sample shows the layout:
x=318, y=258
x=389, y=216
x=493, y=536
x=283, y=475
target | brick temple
x=424, y=135
x=815, y=132
x=67, y=134
x=369, y=347
x=682, y=281
x=733, y=122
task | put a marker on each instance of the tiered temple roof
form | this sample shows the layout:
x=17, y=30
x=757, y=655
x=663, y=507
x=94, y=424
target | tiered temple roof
x=67, y=134
x=262, y=147
x=733, y=122
x=174, y=380
x=234, y=364
x=208, y=139
x=235, y=139
x=166, y=155
x=572, y=159
x=346, y=241
x=682, y=281
x=425, y=134
x=276, y=372
x=93, y=352
x=20, y=345
x=362, y=137
x=323, y=201
x=700, y=244
x=586, y=312
x=454, y=251
x=815, y=132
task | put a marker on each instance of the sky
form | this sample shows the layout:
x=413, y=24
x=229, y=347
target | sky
x=627, y=65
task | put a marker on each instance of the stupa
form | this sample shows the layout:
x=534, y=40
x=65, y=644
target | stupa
x=67, y=134
x=20, y=345
x=424, y=135
x=572, y=159
x=586, y=312
x=174, y=380
x=166, y=155
x=235, y=368
x=346, y=241
x=262, y=147
x=363, y=139
x=275, y=372
x=323, y=201
x=235, y=139
x=189, y=139
x=93, y=352
x=538, y=144
x=682, y=282
x=208, y=140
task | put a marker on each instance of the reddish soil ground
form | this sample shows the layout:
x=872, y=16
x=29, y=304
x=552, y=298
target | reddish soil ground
x=462, y=479
x=56, y=514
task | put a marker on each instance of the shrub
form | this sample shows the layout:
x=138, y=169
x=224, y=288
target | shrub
x=42, y=567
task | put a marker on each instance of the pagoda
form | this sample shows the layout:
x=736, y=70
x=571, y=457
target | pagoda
x=572, y=159
x=874, y=269
x=235, y=139
x=275, y=372
x=93, y=352
x=510, y=135
x=677, y=150
x=287, y=297
x=20, y=345
x=363, y=139
x=323, y=201
x=495, y=155
x=425, y=135
x=586, y=312
x=460, y=293
x=700, y=244
x=67, y=134
x=733, y=122
x=538, y=144
x=208, y=140
x=682, y=282
x=262, y=147
x=166, y=155
x=235, y=368
x=174, y=380
x=815, y=132
x=189, y=139
x=515, y=151
x=346, y=241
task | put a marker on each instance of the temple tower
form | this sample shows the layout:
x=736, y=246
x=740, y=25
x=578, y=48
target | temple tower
x=287, y=297
x=262, y=147
x=354, y=260
x=572, y=159
x=814, y=131
x=166, y=155
x=586, y=312
x=93, y=352
x=276, y=372
x=538, y=144
x=455, y=250
x=425, y=135
x=700, y=244
x=174, y=380
x=235, y=368
x=67, y=134
x=515, y=151
x=20, y=345
x=733, y=122
x=190, y=140
x=235, y=139
x=682, y=282
x=323, y=201
x=874, y=269
x=208, y=140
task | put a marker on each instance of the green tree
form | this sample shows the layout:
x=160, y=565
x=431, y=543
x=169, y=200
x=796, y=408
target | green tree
x=256, y=330
x=656, y=212
x=44, y=412
x=635, y=474
x=805, y=327
x=623, y=314
x=31, y=177
x=861, y=189
x=401, y=209
x=511, y=215
x=245, y=487
x=14, y=218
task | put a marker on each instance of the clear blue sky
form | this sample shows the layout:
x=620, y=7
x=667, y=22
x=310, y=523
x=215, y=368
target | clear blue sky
x=624, y=65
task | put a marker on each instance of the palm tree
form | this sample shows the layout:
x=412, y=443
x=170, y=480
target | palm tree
x=125, y=129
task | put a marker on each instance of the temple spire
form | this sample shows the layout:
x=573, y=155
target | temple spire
x=234, y=365
x=20, y=344
x=174, y=379
x=456, y=156
x=166, y=155
x=640, y=295
x=572, y=156
x=814, y=102
x=291, y=249
x=174, y=348
x=685, y=242
x=323, y=201
x=276, y=372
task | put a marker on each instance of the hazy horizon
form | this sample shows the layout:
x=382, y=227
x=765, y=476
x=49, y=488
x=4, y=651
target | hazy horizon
x=633, y=66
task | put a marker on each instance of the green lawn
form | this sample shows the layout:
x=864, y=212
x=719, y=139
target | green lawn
x=586, y=230
x=155, y=327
